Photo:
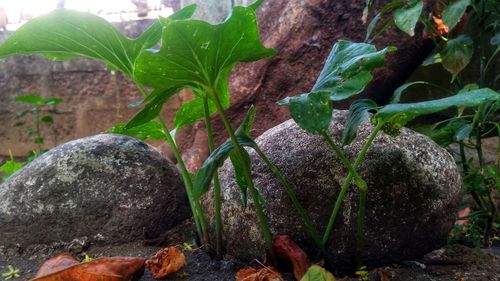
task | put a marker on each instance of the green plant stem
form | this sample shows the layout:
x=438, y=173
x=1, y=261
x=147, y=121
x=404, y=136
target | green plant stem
x=217, y=190
x=465, y=168
x=199, y=219
x=345, y=185
x=37, y=124
x=268, y=237
x=357, y=179
x=313, y=233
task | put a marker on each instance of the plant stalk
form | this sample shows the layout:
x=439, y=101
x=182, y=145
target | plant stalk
x=357, y=178
x=268, y=237
x=346, y=184
x=199, y=219
x=217, y=190
x=311, y=229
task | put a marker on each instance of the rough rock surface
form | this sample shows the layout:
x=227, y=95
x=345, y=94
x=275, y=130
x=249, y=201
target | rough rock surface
x=109, y=188
x=414, y=187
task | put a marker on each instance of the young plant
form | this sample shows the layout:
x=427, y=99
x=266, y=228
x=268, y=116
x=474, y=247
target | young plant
x=10, y=167
x=194, y=55
x=345, y=74
x=41, y=111
x=64, y=34
x=200, y=56
x=453, y=27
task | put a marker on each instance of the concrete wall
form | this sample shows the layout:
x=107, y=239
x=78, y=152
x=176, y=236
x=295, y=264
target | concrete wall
x=94, y=98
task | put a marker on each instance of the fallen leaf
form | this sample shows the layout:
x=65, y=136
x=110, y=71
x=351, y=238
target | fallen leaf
x=57, y=263
x=66, y=268
x=165, y=262
x=289, y=251
x=263, y=274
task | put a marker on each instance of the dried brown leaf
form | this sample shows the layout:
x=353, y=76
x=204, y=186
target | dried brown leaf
x=65, y=268
x=289, y=251
x=263, y=274
x=165, y=262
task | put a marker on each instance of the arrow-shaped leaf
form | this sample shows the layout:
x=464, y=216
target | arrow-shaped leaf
x=346, y=73
x=402, y=113
x=358, y=112
x=407, y=17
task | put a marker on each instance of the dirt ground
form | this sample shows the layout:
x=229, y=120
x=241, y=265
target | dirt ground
x=451, y=263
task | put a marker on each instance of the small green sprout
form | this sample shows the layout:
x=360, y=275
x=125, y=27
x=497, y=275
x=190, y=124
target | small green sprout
x=87, y=258
x=362, y=274
x=187, y=247
x=12, y=273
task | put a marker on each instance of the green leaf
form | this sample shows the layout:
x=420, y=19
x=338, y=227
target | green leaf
x=358, y=112
x=204, y=175
x=347, y=68
x=407, y=17
x=317, y=273
x=9, y=168
x=239, y=174
x=432, y=59
x=463, y=133
x=195, y=54
x=32, y=99
x=152, y=108
x=51, y=101
x=38, y=140
x=346, y=73
x=192, y=111
x=217, y=157
x=198, y=55
x=373, y=23
x=64, y=34
x=151, y=130
x=454, y=12
x=495, y=40
x=47, y=119
x=246, y=126
x=402, y=113
x=457, y=54
x=312, y=112
x=396, y=97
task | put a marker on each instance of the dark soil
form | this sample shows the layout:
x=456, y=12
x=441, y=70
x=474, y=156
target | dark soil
x=452, y=263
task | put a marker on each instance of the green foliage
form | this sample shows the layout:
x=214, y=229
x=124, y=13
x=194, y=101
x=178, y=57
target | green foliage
x=396, y=96
x=475, y=105
x=11, y=273
x=200, y=56
x=402, y=113
x=10, y=167
x=151, y=130
x=205, y=174
x=346, y=73
x=64, y=34
x=406, y=18
x=454, y=12
x=317, y=273
x=457, y=54
x=41, y=112
x=192, y=111
x=358, y=113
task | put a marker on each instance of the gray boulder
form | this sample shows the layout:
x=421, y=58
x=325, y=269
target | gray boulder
x=110, y=188
x=414, y=188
